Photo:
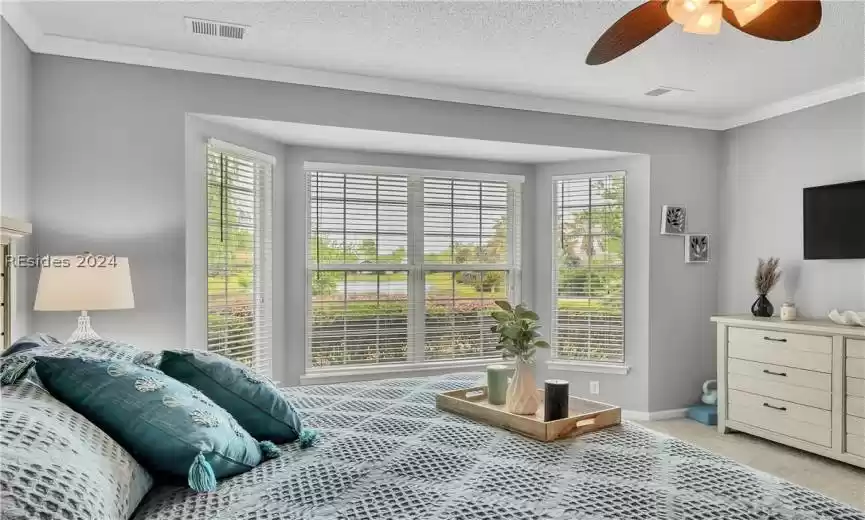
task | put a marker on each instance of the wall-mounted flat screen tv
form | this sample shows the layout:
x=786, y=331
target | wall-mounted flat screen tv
x=834, y=221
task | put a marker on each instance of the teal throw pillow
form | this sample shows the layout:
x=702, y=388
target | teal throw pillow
x=166, y=425
x=252, y=399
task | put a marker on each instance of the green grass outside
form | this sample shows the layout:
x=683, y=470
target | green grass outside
x=438, y=283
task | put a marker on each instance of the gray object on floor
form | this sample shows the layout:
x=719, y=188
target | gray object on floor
x=386, y=452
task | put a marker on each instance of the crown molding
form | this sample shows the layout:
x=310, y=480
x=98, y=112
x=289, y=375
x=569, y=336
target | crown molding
x=21, y=22
x=793, y=104
x=41, y=43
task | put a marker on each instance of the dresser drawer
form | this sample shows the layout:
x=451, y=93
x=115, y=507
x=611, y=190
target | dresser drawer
x=855, y=348
x=855, y=426
x=772, y=407
x=800, y=422
x=855, y=367
x=781, y=348
x=781, y=374
x=779, y=390
x=856, y=387
x=856, y=445
x=856, y=406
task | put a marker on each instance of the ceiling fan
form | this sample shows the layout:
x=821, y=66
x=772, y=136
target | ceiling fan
x=778, y=20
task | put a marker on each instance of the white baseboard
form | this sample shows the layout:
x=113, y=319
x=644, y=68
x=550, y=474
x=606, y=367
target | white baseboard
x=660, y=415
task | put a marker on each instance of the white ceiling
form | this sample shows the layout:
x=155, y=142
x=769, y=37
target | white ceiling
x=530, y=49
x=415, y=144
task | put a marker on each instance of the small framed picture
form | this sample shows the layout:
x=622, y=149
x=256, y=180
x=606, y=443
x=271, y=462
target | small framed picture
x=673, y=220
x=696, y=249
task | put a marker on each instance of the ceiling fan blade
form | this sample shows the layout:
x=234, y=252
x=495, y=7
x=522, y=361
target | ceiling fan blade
x=783, y=22
x=629, y=31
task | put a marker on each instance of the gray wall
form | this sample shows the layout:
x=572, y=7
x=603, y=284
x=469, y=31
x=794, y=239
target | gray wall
x=15, y=153
x=766, y=166
x=110, y=176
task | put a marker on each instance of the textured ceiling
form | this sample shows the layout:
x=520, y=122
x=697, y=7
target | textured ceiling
x=533, y=48
x=415, y=144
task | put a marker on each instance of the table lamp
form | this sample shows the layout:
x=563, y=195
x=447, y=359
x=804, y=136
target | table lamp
x=73, y=283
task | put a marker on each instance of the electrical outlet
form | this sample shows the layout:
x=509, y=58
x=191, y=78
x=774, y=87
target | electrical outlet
x=594, y=387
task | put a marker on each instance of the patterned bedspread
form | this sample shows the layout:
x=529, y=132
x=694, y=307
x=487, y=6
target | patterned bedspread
x=386, y=452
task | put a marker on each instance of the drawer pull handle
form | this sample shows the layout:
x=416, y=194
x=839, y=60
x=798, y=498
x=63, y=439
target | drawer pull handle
x=779, y=408
x=780, y=340
x=782, y=374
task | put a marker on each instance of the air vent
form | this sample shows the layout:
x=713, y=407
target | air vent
x=664, y=91
x=658, y=92
x=231, y=31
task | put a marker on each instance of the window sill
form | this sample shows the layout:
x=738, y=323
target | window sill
x=589, y=366
x=367, y=373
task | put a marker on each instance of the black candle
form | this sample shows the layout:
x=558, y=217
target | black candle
x=555, y=399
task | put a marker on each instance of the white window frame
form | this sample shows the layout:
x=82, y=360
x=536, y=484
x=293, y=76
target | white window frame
x=416, y=271
x=264, y=221
x=555, y=362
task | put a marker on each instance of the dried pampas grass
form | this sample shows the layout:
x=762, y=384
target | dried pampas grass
x=767, y=276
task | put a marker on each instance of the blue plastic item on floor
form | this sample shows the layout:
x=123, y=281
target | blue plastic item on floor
x=704, y=413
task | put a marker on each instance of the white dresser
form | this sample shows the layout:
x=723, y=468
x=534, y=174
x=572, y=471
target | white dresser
x=800, y=383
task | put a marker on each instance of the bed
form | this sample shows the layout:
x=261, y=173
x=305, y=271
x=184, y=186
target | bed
x=386, y=452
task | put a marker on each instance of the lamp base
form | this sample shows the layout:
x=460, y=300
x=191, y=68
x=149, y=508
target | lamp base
x=84, y=330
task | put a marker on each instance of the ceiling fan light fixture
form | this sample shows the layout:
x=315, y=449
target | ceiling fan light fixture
x=681, y=11
x=736, y=5
x=746, y=15
x=707, y=21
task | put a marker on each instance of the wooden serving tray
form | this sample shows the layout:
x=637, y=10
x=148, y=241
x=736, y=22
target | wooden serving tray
x=584, y=416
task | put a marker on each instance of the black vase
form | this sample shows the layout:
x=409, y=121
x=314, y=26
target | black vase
x=762, y=307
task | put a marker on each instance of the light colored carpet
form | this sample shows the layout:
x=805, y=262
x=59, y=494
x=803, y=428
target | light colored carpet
x=840, y=481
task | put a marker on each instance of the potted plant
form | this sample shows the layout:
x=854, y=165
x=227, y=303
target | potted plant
x=519, y=338
x=767, y=276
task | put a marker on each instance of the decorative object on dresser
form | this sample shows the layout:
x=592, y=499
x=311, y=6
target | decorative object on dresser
x=788, y=311
x=767, y=276
x=673, y=220
x=798, y=383
x=848, y=318
x=84, y=283
x=696, y=249
x=581, y=415
x=517, y=328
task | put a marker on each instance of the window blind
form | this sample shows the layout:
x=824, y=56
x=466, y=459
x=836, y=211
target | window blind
x=589, y=273
x=359, y=279
x=404, y=268
x=468, y=233
x=239, y=259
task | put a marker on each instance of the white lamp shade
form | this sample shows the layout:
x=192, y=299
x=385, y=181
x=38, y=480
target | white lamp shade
x=64, y=285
